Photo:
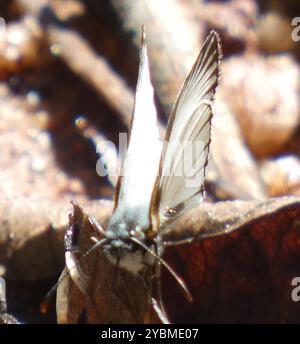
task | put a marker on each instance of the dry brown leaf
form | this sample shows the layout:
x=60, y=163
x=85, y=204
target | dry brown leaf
x=243, y=275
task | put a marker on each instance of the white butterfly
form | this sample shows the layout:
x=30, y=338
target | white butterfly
x=153, y=188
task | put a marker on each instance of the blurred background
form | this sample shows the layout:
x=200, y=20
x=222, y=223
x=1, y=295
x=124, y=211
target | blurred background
x=68, y=70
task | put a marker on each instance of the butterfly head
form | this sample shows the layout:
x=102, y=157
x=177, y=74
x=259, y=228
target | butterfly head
x=118, y=237
x=122, y=248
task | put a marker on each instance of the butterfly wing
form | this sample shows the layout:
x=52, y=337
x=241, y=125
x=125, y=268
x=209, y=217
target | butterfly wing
x=180, y=184
x=140, y=166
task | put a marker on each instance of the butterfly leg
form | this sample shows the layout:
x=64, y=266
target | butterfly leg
x=159, y=311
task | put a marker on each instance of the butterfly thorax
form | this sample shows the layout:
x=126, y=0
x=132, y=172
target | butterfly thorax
x=121, y=250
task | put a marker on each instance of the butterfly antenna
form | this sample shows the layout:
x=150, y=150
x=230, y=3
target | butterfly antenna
x=167, y=266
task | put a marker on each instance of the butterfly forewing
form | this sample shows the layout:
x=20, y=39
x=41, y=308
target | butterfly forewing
x=140, y=167
x=182, y=167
